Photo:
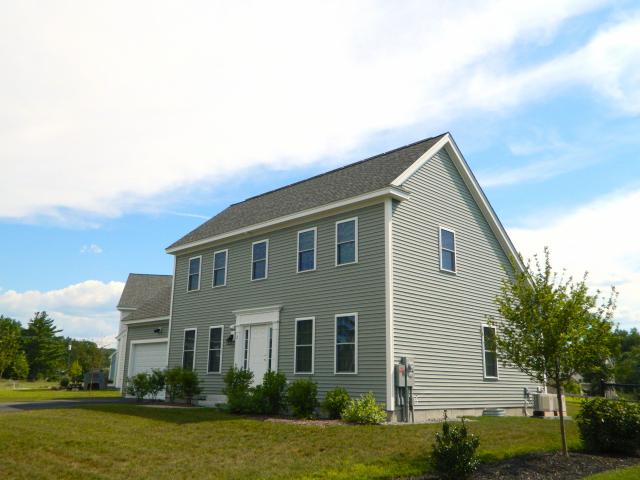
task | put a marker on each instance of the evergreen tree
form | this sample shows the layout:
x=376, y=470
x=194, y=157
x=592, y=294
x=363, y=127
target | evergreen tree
x=44, y=349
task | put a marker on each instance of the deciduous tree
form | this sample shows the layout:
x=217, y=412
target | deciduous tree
x=10, y=342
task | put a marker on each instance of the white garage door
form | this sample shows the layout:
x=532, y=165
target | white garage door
x=147, y=356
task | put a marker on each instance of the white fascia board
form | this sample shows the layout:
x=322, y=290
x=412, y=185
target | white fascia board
x=393, y=192
x=145, y=320
x=472, y=184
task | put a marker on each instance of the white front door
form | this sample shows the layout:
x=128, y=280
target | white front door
x=258, y=351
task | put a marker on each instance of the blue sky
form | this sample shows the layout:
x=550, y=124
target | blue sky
x=118, y=135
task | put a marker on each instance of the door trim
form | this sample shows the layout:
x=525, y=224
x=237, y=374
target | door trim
x=245, y=318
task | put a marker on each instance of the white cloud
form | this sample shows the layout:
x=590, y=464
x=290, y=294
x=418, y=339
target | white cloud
x=108, y=104
x=82, y=310
x=601, y=238
x=93, y=248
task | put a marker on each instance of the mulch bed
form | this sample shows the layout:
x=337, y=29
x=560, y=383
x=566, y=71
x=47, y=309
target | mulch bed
x=549, y=466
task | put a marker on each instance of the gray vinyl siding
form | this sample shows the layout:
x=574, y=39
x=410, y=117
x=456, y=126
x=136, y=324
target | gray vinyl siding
x=143, y=331
x=323, y=293
x=438, y=315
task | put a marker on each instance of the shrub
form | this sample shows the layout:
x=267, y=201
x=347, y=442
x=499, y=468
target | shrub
x=335, y=402
x=611, y=426
x=156, y=382
x=138, y=386
x=173, y=383
x=364, y=411
x=190, y=385
x=303, y=397
x=238, y=390
x=64, y=382
x=269, y=398
x=454, y=453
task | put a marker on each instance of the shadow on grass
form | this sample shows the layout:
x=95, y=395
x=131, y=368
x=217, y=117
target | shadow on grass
x=176, y=415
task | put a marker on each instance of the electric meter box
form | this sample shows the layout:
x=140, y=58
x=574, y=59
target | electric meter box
x=404, y=372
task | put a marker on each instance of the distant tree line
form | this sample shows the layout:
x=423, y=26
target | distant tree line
x=39, y=352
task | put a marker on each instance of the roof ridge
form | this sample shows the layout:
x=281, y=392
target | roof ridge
x=339, y=168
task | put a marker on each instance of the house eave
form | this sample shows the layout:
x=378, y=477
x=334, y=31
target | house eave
x=351, y=203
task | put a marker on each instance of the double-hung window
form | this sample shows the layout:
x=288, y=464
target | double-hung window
x=490, y=360
x=259, y=259
x=193, y=282
x=347, y=241
x=215, y=350
x=220, y=268
x=346, y=350
x=189, y=349
x=307, y=250
x=447, y=250
x=304, y=345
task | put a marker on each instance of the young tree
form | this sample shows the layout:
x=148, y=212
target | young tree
x=10, y=347
x=551, y=328
x=75, y=372
x=20, y=367
x=45, y=350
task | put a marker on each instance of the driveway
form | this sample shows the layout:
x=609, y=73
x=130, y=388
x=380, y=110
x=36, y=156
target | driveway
x=43, y=404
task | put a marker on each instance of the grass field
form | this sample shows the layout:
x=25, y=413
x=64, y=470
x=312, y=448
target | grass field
x=629, y=473
x=129, y=441
x=37, y=391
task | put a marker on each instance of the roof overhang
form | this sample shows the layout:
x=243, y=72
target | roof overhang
x=370, y=198
x=472, y=184
x=145, y=320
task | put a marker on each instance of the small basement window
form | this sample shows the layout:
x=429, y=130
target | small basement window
x=447, y=250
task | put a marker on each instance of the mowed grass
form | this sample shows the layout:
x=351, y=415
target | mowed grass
x=37, y=391
x=130, y=441
x=629, y=473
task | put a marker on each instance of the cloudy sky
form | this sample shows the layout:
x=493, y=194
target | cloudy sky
x=124, y=124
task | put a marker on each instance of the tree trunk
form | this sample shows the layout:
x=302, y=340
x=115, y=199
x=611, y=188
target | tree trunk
x=563, y=433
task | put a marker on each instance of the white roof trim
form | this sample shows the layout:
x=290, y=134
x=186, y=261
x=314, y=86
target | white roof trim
x=145, y=320
x=392, y=192
x=249, y=311
x=472, y=184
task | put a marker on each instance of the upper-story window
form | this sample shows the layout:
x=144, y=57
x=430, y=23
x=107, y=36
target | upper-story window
x=347, y=241
x=259, y=259
x=489, y=351
x=447, y=250
x=220, y=268
x=194, y=273
x=307, y=250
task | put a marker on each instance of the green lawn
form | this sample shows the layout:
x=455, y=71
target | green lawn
x=129, y=441
x=629, y=473
x=573, y=405
x=35, y=391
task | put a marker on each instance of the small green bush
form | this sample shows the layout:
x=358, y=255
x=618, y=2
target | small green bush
x=610, y=426
x=156, y=382
x=303, y=397
x=190, y=385
x=335, y=402
x=454, y=453
x=173, y=383
x=269, y=398
x=238, y=390
x=364, y=411
x=139, y=386
x=64, y=382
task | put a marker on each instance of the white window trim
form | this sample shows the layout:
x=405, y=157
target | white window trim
x=226, y=267
x=246, y=347
x=199, y=273
x=455, y=249
x=266, y=261
x=195, y=344
x=484, y=366
x=355, y=239
x=335, y=343
x=313, y=346
x=221, y=327
x=315, y=249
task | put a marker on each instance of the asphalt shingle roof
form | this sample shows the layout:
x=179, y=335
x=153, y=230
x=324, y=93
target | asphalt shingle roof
x=357, y=178
x=141, y=289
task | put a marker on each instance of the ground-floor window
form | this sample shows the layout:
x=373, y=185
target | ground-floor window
x=215, y=350
x=489, y=351
x=346, y=348
x=189, y=349
x=304, y=338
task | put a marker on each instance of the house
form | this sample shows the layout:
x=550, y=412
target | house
x=337, y=277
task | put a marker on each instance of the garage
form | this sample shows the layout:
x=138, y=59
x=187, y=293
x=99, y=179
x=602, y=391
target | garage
x=146, y=356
